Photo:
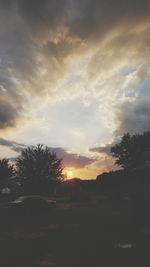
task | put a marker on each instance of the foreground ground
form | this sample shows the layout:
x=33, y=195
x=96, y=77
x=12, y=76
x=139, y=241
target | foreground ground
x=75, y=235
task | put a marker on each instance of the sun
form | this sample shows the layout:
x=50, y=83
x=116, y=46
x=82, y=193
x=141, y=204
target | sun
x=69, y=174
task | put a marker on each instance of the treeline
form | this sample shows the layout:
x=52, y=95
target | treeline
x=132, y=154
x=37, y=170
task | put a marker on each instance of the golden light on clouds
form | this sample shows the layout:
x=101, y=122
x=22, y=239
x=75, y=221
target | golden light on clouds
x=74, y=75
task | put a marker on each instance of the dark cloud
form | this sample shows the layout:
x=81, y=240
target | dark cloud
x=6, y=3
x=69, y=159
x=72, y=159
x=102, y=149
x=38, y=36
x=8, y=115
x=95, y=18
x=87, y=19
x=43, y=13
x=12, y=145
x=133, y=117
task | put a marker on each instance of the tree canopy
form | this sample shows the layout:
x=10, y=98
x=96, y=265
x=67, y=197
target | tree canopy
x=6, y=171
x=39, y=166
x=133, y=151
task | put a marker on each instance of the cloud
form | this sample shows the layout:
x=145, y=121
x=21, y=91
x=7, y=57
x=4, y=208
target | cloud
x=95, y=18
x=69, y=159
x=130, y=116
x=11, y=144
x=133, y=117
x=72, y=159
x=8, y=115
x=102, y=149
x=41, y=39
x=35, y=43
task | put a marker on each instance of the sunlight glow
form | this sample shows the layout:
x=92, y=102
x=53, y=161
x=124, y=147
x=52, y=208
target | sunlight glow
x=69, y=174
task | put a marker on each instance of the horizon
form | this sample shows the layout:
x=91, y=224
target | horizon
x=75, y=76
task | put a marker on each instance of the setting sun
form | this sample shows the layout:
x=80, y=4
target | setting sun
x=69, y=174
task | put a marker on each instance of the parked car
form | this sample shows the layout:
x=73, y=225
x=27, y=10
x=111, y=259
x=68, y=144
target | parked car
x=33, y=204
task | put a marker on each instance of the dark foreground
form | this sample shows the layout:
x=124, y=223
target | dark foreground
x=75, y=235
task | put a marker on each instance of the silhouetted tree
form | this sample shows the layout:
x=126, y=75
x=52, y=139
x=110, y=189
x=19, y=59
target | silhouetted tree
x=39, y=168
x=6, y=171
x=132, y=151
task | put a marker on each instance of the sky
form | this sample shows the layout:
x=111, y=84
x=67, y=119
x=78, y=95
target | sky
x=74, y=75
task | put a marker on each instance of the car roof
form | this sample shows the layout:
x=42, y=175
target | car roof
x=28, y=197
x=22, y=198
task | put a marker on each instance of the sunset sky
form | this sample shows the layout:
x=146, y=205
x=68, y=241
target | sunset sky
x=75, y=76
